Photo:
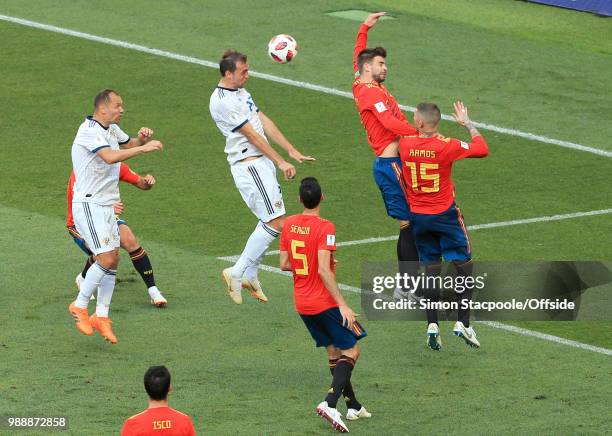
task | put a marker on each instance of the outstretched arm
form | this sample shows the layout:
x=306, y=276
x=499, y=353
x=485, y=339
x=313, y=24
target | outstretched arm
x=277, y=136
x=258, y=141
x=113, y=156
x=362, y=36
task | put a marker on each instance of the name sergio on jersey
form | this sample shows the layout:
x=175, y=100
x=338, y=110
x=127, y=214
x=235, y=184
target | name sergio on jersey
x=300, y=230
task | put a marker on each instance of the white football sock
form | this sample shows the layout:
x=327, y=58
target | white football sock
x=105, y=293
x=251, y=271
x=89, y=285
x=256, y=246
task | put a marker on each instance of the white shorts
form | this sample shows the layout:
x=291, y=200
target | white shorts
x=97, y=225
x=256, y=182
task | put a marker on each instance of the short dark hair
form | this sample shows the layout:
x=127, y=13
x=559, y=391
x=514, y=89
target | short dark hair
x=367, y=55
x=229, y=60
x=430, y=112
x=103, y=97
x=157, y=382
x=310, y=192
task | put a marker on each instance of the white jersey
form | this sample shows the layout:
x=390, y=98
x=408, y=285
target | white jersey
x=96, y=181
x=231, y=109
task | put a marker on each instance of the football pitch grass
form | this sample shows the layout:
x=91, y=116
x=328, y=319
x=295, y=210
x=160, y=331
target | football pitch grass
x=253, y=369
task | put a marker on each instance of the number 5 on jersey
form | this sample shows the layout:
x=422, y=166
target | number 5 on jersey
x=295, y=244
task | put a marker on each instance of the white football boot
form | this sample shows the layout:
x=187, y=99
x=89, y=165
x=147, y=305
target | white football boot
x=234, y=286
x=254, y=288
x=467, y=334
x=433, y=337
x=354, y=414
x=332, y=416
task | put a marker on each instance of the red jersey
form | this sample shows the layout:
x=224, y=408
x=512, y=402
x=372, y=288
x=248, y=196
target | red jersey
x=427, y=166
x=302, y=237
x=162, y=421
x=125, y=174
x=382, y=118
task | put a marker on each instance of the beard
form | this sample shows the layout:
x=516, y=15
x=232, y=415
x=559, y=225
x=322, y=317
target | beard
x=379, y=78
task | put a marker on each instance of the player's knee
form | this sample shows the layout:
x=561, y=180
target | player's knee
x=333, y=352
x=277, y=223
x=353, y=353
x=109, y=260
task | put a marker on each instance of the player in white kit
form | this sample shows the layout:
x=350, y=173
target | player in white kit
x=252, y=161
x=96, y=154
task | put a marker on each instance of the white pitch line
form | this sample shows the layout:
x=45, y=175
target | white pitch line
x=546, y=337
x=296, y=83
x=540, y=219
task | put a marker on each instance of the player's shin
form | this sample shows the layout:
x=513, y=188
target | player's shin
x=341, y=378
x=90, y=284
x=142, y=264
x=464, y=270
x=256, y=246
x=407, y=250
x=347, y=392
x=432, y=291
x=105, y=293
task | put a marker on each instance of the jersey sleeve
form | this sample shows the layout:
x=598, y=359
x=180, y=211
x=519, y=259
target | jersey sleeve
x=93, y=140
x=230, y=114
x=360, y=45
x=122, y=137
x=458, y=150
x=374, y=100
x=327, y=237
x=126, y=174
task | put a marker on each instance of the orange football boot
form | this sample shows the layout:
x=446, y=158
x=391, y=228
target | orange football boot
x=81, y=319
x=103, y=325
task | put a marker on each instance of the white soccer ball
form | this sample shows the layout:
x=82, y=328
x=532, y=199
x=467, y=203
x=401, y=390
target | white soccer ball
x=282, y=48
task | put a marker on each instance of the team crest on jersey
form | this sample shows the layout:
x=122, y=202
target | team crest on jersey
x=278, y=204
x=465, y=145
x=112, y=132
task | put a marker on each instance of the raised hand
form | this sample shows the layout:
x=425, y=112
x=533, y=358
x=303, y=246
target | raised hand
x=461, y=113
x=145, y=134
x=373, y=18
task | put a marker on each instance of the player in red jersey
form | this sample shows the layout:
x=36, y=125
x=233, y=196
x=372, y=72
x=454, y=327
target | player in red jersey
x=437, y=222
x=306, y=248
x=129, y=243
x=384, y=123
x=158, y=418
